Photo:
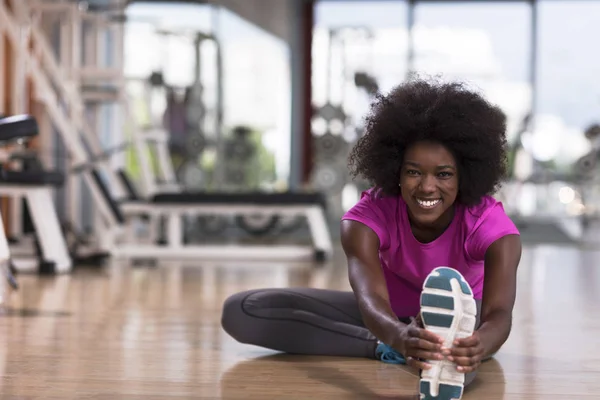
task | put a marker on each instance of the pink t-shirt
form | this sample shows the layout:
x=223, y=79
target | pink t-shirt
x=406, y=262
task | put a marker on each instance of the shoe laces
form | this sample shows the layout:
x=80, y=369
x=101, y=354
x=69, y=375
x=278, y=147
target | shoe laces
x=388, y=355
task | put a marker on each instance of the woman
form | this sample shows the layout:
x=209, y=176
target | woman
x=435, y=153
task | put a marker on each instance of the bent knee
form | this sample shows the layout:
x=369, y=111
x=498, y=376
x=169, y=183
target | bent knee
x=231, y=314
x=236, y=319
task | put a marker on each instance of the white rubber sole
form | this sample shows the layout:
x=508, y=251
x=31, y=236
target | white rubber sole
x=448, y=309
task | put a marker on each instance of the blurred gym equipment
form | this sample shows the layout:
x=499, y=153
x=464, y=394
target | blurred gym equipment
x=193, y=127
x=35, y=187
x=121, y=217
x=335, y=124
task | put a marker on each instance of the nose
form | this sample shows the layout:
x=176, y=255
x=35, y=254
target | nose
x=427, y=184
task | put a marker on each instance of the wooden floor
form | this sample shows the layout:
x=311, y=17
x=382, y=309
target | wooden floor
x=130, y=333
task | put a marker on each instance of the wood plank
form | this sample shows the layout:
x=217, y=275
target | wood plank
x=155, y=333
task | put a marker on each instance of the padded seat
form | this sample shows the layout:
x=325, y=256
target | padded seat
x=34, y=178
x=230, y=198
x=262, y=198
x=17, y=127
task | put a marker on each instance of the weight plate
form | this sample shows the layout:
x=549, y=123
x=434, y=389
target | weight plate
x=195, y=114
x=336, y=127
x=289, y=224
x=194, y=104
x=329, y=112
x=587, y=164
x=330, y=146
x=235, y=176
x=191, y=176
x=211, y=224
x=329, y=177
x=194, y=94
x=318, y=126
x=195, y=143
x=592, y=132
x=257, y=224
x=239, y=150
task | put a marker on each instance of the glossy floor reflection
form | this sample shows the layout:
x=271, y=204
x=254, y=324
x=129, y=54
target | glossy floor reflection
x=129, y=333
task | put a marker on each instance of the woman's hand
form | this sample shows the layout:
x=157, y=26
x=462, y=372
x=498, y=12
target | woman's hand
x=466, y=353
x=419, y=345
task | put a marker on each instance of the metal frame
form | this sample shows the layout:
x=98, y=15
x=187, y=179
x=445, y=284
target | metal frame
x=45, y=220
x=175, y=212
x=59, y=91
x=175, y=248
x=51, y=88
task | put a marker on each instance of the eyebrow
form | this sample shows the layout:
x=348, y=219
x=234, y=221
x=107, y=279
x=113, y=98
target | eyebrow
x=414, y=164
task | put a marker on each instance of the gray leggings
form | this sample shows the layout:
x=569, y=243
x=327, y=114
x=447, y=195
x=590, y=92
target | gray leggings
x=302, y=321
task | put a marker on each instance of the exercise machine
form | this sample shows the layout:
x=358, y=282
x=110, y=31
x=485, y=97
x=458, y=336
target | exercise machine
x=36, y=189
x=120, y=218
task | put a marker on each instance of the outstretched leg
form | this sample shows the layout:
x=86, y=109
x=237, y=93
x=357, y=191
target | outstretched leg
x=300, y=321
x=305, y=321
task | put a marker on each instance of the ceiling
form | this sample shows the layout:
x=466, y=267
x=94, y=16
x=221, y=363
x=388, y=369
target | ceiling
x=274, y=16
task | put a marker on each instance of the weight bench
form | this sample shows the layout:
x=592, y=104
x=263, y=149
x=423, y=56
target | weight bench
x=36, y=189
x=175, y=206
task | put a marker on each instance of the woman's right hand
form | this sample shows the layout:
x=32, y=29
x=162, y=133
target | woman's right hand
x=361, y=246
x=420, y=345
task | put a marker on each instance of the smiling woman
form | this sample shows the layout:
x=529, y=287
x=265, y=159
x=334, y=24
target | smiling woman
x=432, y=256
x=435, y=153
x=429, y=185
x=466, y=124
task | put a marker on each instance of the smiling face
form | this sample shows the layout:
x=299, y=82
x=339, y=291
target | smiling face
x=429, y=184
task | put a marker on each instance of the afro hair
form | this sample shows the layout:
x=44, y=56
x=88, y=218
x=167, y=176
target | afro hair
x=447, y=113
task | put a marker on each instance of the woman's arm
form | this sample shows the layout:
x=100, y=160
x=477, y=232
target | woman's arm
x=499, y=292
x=361, y=246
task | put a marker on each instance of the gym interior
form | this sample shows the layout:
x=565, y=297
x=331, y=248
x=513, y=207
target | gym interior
x=161, y=156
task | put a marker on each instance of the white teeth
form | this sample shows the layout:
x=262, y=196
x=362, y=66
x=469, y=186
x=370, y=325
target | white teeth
x=428, y=203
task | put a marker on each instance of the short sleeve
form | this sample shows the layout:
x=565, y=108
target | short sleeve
x=372, y=213
x=491, y=226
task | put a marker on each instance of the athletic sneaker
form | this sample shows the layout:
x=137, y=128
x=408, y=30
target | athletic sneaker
x=448, y=310
x=388, y=355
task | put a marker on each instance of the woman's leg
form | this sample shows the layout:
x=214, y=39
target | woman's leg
x=299, y=321
x=305, y=321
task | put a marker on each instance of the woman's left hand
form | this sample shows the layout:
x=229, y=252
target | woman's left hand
x=466, y=353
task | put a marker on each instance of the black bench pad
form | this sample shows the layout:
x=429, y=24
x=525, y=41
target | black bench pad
x=17, y=127
x=261, y=198
x=34, y=178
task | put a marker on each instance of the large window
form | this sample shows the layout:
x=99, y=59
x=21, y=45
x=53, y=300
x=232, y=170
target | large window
x=567, y=103
x=151, y=43
x=568, y=88
x=224, y=98
x=544, y=80
x=359, y=47
x=353, y=37
x=474, y=43
x=257, y=90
